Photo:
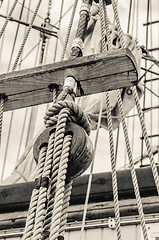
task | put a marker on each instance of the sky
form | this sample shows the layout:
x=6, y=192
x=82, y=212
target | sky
x=137, y=30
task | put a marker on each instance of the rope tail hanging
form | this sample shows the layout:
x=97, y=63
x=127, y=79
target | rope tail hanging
x=67, y=151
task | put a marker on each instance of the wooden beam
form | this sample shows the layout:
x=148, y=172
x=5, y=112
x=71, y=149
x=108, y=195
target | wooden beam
x=94, y=73
x=16, y=197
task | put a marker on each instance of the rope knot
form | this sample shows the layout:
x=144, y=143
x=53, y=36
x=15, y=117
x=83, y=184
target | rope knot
x=74, y=112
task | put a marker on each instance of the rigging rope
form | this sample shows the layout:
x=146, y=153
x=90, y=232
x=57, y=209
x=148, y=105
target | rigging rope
x=8, y=17
x=91, y=172
x=26, y=35
x=141, y=117
x=105, y=25
x=50, y=221
x=136, y=188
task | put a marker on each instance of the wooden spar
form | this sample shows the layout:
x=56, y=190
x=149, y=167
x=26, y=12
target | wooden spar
x=16, y=197
x=94, y=73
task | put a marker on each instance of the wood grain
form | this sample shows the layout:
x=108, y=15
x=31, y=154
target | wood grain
x=17, y=196
x=94, y=73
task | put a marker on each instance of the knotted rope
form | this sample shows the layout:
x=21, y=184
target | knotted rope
x=53, y=200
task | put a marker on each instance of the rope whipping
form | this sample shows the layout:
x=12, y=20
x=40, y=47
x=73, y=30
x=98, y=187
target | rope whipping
x=132, y=168
x=105, y=25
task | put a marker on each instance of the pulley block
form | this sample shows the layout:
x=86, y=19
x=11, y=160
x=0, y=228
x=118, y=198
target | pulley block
x=81, y=151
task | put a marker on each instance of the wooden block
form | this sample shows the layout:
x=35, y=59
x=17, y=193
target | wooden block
x=94, y=73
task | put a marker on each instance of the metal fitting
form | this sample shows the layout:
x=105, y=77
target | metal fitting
x=70, y=83
x=77, y=42
x=111, y=223
x=85, y=7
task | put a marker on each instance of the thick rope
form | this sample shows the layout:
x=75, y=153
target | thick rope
x=41, y=206
x=64, y=213
x=103, y=16
x=53, y=221
x=26, y=36
x=8, y=18
x=78, y=115
x=34, y=198
x=58, y=145
x=60, y=190
x=132, y=168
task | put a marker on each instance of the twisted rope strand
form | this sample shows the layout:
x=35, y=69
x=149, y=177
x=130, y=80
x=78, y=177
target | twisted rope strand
x=147, y=142
x=69, y=30
x=132, y=168
x=141, y=118
x=60, y=189
x=64, y=213
x=8, y=17
x=79, y=116
x=41, y=206
x=34, y=198
x=103, y=16
x=26, y=36
x=58, y=145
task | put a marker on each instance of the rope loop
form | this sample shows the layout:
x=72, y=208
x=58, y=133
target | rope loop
x=76, y=115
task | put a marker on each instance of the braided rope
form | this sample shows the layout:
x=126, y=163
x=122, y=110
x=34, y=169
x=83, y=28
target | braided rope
x=132, y=168
x=147, y=142
x=60, y=189
x=103, y=16
x=34, y=198
x=79, y=116
x=67, y=195
x=141, y=118
x=69, y=29
x=58, y=145
x=8, y=17
x=26, y=36
x=40, y=211
x=120, y=31
x=1, y=115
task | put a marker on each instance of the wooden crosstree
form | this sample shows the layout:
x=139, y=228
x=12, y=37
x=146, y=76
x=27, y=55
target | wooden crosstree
x=94, y=74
